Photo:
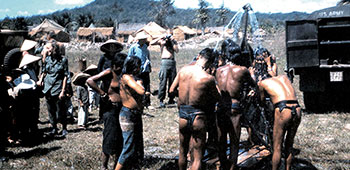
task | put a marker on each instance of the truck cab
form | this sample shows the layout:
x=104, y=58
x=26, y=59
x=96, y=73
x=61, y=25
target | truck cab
x=318, y=50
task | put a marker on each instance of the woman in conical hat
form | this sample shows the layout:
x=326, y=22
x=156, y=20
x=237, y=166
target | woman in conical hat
x=112, y=136
x=110, y=48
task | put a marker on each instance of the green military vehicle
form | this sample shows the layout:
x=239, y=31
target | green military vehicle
x=10, y=41
x=318, y=50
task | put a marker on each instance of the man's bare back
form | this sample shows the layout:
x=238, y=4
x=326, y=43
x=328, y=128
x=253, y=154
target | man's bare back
x=195, y=86
x=230, y=79
x=279, y=88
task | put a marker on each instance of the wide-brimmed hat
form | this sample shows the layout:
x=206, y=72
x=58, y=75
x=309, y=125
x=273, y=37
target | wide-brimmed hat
x=91, y=69
x=80, y=76
x=27, y=45
x=27, y=59
x=108, y=46
x=141, y=35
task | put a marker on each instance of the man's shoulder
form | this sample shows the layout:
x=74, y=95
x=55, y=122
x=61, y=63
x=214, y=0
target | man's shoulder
x=185, y=68
x=135, y=45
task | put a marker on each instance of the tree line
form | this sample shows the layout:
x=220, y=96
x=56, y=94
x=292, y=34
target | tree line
x=108, y=13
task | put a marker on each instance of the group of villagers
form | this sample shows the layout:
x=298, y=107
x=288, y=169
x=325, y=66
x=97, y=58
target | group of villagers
x=210, y=99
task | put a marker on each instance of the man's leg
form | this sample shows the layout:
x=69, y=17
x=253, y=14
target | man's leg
x=278, y=133
x=292, y=130
x=222, y=136
x=62, y=115
x=198, y=140
x=171, y=76
x=184, y=137
x=146, y=83
x=128, y=156
x=105, y=158
x=235, y=134
x=162, y=85
x=52, y=109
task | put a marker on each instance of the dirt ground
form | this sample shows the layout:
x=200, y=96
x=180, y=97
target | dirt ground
x=322, y=141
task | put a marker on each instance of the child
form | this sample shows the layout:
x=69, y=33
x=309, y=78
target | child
x=83, y=98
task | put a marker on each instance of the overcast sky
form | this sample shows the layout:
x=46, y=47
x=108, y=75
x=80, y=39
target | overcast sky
x=14, y=8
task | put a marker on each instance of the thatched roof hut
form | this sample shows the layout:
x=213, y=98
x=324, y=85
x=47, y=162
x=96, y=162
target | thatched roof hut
x=96, y=34
x=183, y=33
x=153, y=29
x=124, y=30
x=220, y=31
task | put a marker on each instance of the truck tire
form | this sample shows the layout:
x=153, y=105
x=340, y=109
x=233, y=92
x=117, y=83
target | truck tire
x=12, y=59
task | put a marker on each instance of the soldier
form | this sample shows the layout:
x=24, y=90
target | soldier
x=231, y=80
x=168, y=48
x=287, y=116
x=197, y=96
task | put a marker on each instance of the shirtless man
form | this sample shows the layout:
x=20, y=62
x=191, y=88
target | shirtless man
x=231, y=80
x=131, y=93
x=287, y=116
x=168, y=48
x=197, y=96
x=112, y=136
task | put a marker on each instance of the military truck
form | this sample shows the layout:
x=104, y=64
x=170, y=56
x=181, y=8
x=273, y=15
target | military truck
x=318, y=50
x=10, y=41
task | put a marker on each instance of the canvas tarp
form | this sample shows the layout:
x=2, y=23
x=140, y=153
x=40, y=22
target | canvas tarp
x=49, y=25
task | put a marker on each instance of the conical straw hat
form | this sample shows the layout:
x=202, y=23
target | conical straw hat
x=106, y=47
x=27, y=59
x=79, y=76
x=27, y=45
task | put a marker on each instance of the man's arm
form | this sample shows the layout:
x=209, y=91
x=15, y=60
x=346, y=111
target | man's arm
x=157, y=40
x=214, y=89
x=175, y=83
x=64, y=84
x=41, y=78
x=261, y=90
x=131, y=50
x=130, y=81
x=175, y=46
x=91, y=81
x=66, y=73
